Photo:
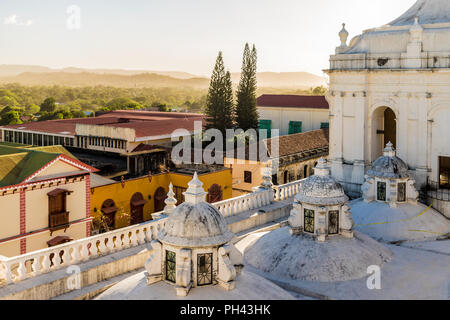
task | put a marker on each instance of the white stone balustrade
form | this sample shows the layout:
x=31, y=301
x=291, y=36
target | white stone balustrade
x=287, y=191
x=32, y=264
x=235, y=206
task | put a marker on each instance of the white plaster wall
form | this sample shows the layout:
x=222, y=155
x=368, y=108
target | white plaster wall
x=416, y=97
x=311, y=118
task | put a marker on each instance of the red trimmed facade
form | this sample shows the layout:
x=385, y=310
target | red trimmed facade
x=88, y=205
x=23, y=241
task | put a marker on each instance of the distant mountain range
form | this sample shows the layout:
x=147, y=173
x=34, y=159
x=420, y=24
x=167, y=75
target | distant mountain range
x=77, y=77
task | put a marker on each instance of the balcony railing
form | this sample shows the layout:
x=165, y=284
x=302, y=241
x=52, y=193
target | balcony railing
x=287, y=191
x=235, y=206
x=58, y=221
x=32, y=264
x=434, y=190
x=16, y=269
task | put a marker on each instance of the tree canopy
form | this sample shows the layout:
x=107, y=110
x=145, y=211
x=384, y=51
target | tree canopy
x=246, y=111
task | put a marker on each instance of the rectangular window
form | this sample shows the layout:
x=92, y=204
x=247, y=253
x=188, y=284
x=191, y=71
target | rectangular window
x=171, y=266
x=204, y=269
x=295, y=127
x=266, y=125
x=57, y=211
x=325, y=125
x=309, y=221
x=247, y=177
x=381, y=191
x=401, y=192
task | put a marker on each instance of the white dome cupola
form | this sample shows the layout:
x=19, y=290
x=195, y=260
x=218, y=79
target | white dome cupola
x=388, y=180
x=193, y=248
x=320, y=206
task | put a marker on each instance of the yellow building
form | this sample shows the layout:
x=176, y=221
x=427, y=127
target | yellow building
x=133, y=201
x=44, y=198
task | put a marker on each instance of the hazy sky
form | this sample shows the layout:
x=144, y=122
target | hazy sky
x=184, y=35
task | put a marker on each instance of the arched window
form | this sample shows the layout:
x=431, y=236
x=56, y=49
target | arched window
x=215, y=193
x=109, y=210
x=137, y=208
x=305, y=171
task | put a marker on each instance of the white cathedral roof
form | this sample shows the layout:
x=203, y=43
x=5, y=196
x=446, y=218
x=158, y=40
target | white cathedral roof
x=406, y=222
x=301, y=257
x=432, y=15
x=249, y=287
x=428, y=12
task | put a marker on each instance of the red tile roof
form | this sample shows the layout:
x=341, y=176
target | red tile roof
x=146, y=124
x=292, y=101
x=301, y=142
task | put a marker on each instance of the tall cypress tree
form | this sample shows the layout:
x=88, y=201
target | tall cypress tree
x=246, y=111
x=219, y=102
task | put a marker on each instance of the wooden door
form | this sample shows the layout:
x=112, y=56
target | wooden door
x=137, y=209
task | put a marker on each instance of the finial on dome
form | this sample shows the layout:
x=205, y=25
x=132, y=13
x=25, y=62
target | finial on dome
x=195, y=193
x=389, y=151
x=170, y=201
x=322, y=168
x=343, y=35
x=267, y=178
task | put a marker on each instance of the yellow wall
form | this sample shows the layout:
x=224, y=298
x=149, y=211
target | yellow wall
x=122, y=195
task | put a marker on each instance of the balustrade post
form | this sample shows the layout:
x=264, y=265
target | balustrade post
x=21, y=271
x=36, y=266
x=46, y=263
x=66, y=257
x=110, y=244
x=141, y=236
x=133, y=238
x=102, y=247
x=7, y=275
x=75, y=254
x=84, y=251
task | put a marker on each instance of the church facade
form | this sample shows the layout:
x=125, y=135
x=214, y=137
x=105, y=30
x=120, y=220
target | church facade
x=391, y=84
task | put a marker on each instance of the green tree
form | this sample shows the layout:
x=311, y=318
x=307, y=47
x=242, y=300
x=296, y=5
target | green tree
x=49, y=105
x=11, y=117
x=160, y=106
x=319, y=91
x=123, y=104
x=32, y=109
x=8, y=101
x=219, y=101
x=246, y=111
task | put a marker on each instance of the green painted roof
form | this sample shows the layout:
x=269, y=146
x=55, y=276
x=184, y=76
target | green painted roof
x=16, y=164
